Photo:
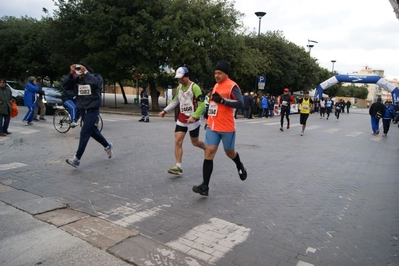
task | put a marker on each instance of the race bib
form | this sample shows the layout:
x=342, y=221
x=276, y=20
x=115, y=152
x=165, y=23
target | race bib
x=213, y=109
x=305, y=107
x=187, y=107
x=284, y=103
x=337, y=107
x=84, y=90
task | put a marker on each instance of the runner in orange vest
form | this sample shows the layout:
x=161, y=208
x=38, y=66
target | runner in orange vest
x=225, y=98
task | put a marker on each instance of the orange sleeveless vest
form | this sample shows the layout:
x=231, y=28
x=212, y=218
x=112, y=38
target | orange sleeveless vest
x=223, y=120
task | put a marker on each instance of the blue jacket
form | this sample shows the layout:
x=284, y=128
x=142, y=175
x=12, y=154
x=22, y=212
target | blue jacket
x=30, y=95
x=264, y=102
x=389, y=112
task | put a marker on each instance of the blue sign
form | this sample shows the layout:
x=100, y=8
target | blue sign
x=262, y=79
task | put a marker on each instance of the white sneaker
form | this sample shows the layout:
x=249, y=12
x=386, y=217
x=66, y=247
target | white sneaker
x=301, y=133
x=108, y=150
x=74, y=124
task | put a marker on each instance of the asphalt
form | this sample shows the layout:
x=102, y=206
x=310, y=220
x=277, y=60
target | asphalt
x=329, y=197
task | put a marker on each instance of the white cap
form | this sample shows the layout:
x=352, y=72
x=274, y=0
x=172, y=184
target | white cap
x=180, y=72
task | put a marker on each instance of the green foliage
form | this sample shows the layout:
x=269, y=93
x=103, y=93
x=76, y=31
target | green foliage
x=126, y=37
x=353, y=91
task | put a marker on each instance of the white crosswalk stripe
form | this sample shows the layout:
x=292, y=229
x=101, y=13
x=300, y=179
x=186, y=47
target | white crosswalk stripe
x=354, y=134
x=9, y=166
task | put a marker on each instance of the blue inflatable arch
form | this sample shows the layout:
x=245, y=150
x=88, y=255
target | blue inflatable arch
x=358, y=79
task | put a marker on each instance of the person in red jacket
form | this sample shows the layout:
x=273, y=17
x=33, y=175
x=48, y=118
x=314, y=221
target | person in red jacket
x=285, y=102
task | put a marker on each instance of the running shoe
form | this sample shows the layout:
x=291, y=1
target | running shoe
x=74, y=124
x=74, y=162
x=201, y=189
x=175, y=170
x=108, y=150
x=242, y=172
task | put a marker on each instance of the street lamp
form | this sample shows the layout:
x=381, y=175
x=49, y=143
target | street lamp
x=333, y=62
x=260, y=15
x=310, y=46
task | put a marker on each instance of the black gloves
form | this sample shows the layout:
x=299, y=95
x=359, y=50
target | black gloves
x=217, y=98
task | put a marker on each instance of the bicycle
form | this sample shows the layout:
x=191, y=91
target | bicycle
x=62, y=120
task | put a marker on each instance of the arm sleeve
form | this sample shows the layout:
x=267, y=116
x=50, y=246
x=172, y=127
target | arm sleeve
x=175, y=102
x=239, y=99
x=201, y=104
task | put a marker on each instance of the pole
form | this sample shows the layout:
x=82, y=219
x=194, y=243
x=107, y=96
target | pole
x=333, y=62
x=260, y=15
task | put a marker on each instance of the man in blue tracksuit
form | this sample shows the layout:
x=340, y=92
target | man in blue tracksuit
x=30, y=99
x=87, y=87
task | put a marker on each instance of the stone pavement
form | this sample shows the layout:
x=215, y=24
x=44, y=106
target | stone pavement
x=327, y=198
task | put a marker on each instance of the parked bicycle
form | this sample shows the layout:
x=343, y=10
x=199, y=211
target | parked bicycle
x=62, y=120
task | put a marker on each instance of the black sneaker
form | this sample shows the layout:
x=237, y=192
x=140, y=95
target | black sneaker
x=201, y=189
x=242, y=172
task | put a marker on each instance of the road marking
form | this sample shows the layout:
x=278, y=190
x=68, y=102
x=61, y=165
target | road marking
x=131, y=215
x=302, y=263
x=354, y=134
x=9, y=166
x=331, y=130
x=312, y=127
x=212, y=240
x=24, y=130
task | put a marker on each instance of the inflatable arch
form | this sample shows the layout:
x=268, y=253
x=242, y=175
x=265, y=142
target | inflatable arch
x=358, y=79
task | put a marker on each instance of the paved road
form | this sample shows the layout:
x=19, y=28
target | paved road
x=330, y=197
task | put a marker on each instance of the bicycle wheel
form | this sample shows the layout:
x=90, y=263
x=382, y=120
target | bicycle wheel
x=61, y=121
x=99, y=123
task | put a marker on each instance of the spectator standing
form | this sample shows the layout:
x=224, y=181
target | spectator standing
x=226, y=96
x=388, y=115
x=190, y=99
x=144, y=105
x=272, y=102
x=376, y=112
x=285, y=103
x=40, y=103
x=248, y=101
x=30, y=100
x=5, y=107
x=264, y=103
x=87, y=87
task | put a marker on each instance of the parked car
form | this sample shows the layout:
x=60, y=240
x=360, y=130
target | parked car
x=17, y=91
x=53, y=99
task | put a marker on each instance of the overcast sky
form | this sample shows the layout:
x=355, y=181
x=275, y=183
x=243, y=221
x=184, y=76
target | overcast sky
x=355, y=33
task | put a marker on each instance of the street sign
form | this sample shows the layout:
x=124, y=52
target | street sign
x=262, y=79
x=261, y=86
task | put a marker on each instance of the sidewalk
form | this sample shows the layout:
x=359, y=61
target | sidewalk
x=26, y=240
x=42, y=231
